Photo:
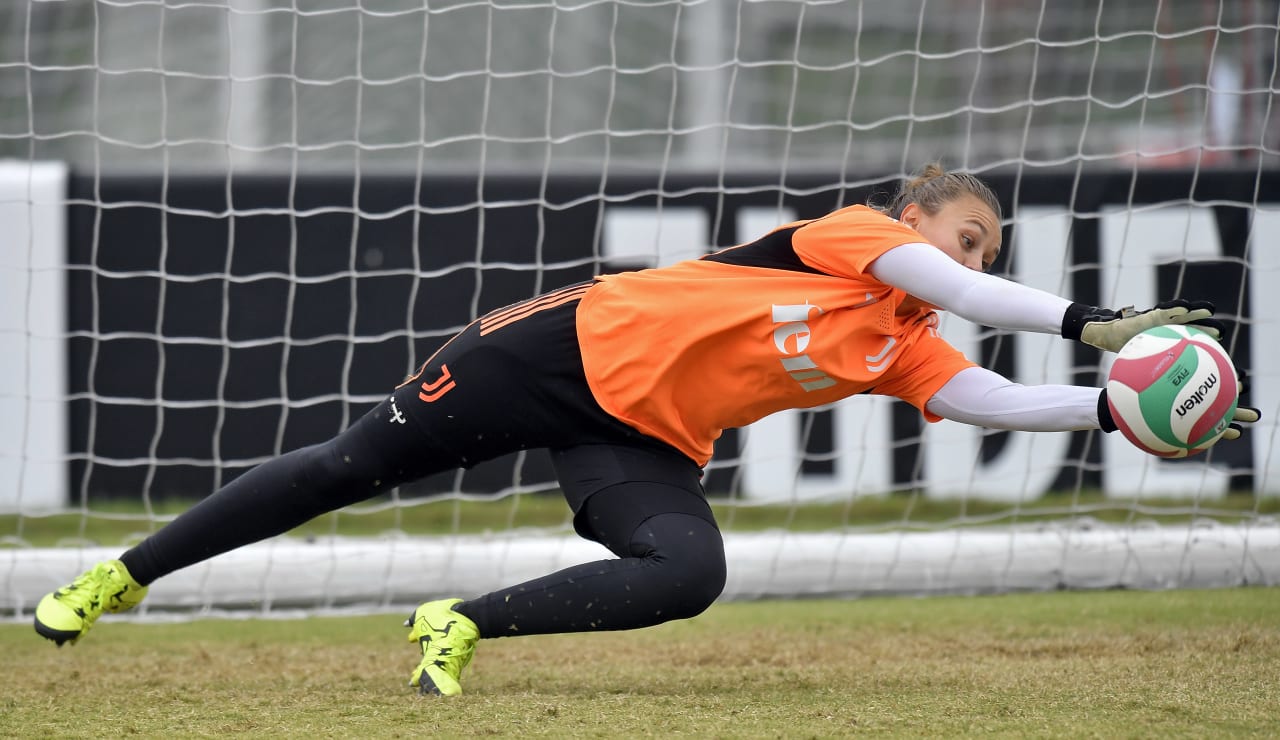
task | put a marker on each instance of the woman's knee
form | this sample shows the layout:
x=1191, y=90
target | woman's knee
x=690, y=552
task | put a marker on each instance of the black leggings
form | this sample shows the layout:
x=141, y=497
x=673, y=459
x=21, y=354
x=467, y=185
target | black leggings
x=670, y=554
x=372, y=456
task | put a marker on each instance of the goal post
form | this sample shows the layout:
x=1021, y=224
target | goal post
x=234, y=226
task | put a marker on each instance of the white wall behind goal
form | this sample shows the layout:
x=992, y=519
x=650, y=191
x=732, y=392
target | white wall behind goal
x=33, y=418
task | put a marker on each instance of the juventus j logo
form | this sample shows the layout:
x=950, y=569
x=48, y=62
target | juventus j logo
x=432, y=392
x=396, y=416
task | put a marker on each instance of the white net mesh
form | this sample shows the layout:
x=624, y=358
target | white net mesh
x=234, y=225
x=333, y=84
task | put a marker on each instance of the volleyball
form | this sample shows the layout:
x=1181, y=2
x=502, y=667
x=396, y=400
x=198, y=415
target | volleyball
x=1172, y=390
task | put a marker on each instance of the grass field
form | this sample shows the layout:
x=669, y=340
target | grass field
x=1102, y=664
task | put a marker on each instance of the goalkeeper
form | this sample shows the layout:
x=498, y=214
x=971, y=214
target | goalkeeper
x=629, y=379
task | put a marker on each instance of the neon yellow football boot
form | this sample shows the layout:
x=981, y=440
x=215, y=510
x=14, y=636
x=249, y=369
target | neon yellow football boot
x=448, y=641
x=66, y=614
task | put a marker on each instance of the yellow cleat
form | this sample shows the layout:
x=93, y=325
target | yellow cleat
x=66, y=614
x=448, y=641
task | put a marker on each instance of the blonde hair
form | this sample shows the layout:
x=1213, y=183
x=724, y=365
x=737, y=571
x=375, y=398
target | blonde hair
x=933, y=187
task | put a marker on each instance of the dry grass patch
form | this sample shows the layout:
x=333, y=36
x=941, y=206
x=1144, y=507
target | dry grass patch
x=1113, y=664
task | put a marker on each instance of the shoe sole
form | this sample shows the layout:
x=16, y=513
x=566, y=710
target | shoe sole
x=426, y=686
x=58, y=636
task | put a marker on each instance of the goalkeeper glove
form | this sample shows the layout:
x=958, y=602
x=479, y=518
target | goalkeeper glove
x=1244, y=414
x=1109, y=330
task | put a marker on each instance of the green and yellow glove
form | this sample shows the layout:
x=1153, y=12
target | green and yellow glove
x=1109, y=330
x=1244, y=415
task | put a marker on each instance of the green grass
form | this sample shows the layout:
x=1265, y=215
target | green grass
x=117, y=523
x=1104, y=664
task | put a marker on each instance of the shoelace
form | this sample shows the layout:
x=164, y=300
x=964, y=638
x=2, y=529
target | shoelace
x=83, y=594
x=114, y=600
x=452, y=661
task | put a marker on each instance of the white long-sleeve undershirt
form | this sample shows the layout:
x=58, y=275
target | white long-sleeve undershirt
x=927, y=273
x=978, y=396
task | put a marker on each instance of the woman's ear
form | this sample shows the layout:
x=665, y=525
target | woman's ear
x=910, y=215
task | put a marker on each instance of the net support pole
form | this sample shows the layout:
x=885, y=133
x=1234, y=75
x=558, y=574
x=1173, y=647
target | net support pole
x=248, y=57
x=702, y=38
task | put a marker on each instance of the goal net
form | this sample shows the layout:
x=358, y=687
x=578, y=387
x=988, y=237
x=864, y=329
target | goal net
x=231, y=227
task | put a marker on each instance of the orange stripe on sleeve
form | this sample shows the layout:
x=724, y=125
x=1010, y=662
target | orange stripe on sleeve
x=491, y=324
x=532, y=303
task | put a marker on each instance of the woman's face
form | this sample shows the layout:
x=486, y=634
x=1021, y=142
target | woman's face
x=965, y=229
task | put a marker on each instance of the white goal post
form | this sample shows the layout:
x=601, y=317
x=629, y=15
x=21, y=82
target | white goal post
x=231, y=226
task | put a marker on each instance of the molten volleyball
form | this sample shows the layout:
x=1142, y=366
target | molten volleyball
x=1172, y=390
